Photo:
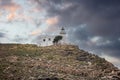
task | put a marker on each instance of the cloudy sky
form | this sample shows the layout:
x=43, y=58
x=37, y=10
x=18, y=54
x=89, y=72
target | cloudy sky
x=94, y=25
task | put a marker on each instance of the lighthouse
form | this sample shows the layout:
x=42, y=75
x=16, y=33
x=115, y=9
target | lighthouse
x=63, y=34
x=47, y=39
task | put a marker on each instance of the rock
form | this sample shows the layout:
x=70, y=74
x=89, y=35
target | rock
x=32, y=78
x=51, y=78
x=118, y=74
x=116, y=77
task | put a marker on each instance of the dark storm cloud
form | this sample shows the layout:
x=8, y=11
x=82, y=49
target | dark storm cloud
x=112, y=49
x=2, y=34
x=5, y=2
x=100, y=16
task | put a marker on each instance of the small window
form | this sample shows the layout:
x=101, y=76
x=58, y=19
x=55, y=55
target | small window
x=44, y=40
x=49, y=39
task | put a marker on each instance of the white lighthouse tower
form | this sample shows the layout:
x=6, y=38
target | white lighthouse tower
x=63, y=34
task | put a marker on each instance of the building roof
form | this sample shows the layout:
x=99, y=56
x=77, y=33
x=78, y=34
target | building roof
x=62, y=31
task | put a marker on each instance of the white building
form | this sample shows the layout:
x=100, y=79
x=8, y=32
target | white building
x=64, y=36
x=47, y=40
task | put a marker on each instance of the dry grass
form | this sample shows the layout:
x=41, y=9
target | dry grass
x=29, y=62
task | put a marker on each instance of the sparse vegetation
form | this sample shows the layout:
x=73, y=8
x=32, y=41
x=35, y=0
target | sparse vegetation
x=57, y=39
x=67, y=62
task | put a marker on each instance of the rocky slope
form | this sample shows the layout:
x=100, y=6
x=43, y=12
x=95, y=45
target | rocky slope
x=65, y=62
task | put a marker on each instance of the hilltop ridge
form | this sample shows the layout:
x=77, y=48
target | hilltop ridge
x=61, y=62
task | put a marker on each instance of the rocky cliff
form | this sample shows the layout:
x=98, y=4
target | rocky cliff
x=62, y=62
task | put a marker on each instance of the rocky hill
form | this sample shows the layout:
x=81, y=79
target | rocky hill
x=62, y=62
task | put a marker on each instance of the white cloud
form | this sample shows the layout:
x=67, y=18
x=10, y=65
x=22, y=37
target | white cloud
x=118, y=39
x=52, y=20
x=36, y=32
x=99, y=41
x=95, y=39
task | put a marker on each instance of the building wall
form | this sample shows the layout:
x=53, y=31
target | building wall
x=48, y=40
